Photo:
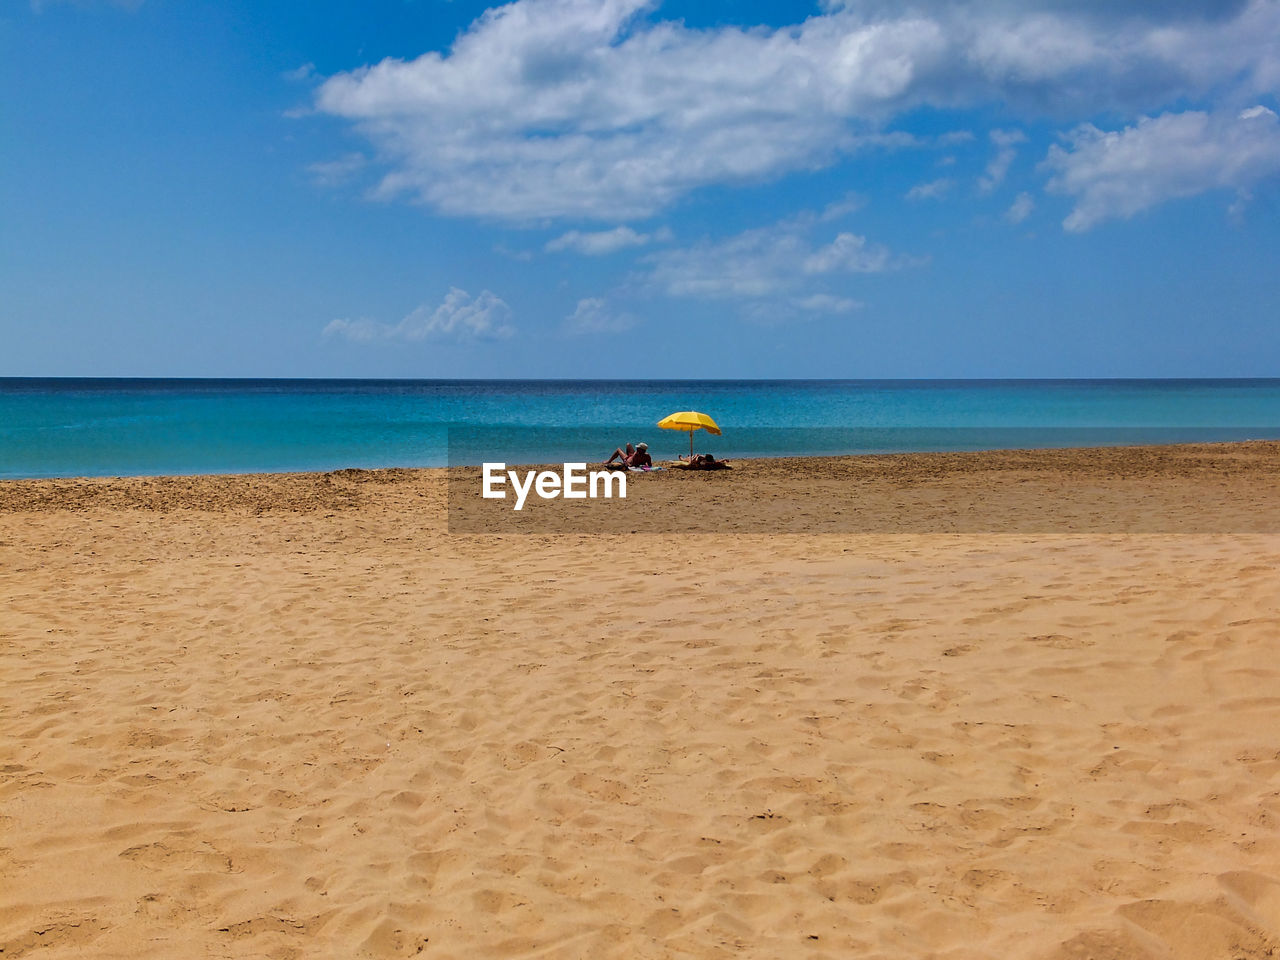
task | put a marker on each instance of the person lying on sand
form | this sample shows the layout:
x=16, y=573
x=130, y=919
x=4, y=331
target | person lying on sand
x=637, y=456
x=704, y=461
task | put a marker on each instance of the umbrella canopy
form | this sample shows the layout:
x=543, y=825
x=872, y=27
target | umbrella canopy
x=689, y=420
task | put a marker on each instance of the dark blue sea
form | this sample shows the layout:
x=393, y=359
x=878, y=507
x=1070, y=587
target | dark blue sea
x=100, y=427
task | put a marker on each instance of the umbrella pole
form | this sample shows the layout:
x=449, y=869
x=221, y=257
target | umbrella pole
x=690, y=444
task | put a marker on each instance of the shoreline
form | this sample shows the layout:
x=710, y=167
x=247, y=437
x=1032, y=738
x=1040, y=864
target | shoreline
x=994, y=452
x=1186, y=488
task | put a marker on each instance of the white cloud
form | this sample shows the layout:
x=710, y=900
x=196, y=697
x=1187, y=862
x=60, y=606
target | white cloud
x=592, y=315
x=604, y=241
x=1020, y=209
x=848, y=253
x=765, y=262
x=933, y=190
x=1118, y=174
x=459, y=317
x=756, y=263
x=589, y=108
x=302, y=74
x=1253, y=113
x=1006, y=142
x=839, y=209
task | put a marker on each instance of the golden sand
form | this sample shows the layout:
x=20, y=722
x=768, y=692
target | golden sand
x=292, y=716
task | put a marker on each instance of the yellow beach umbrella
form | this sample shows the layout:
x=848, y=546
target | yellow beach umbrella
x=689, y=420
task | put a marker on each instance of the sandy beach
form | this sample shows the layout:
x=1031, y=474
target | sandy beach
x=929, y=706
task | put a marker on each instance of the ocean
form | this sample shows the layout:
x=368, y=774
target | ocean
x=125, y=427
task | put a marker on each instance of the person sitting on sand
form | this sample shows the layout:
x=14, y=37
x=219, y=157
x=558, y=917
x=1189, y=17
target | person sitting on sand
x=622, y=456
x=633, y=456
x=704, y=461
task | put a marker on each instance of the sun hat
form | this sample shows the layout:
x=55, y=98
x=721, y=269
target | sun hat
x=642, y=446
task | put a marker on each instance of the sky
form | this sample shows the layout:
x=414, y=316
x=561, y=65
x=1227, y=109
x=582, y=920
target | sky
x=563, y=188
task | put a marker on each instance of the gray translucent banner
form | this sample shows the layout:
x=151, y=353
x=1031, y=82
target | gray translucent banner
x=876, y=480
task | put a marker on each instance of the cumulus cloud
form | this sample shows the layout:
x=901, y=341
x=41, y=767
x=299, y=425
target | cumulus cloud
x=933, y=190
x=460, y=317
x=765, y=262
x=1118, y=174
x=600, y=242
x=592, y=315
x=595, y=109
x=1020, y=209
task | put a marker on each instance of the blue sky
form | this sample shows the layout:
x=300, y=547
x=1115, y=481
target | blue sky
x=556, y=188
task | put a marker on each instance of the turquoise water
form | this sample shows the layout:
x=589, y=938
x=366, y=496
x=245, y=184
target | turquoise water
x=68, y=427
